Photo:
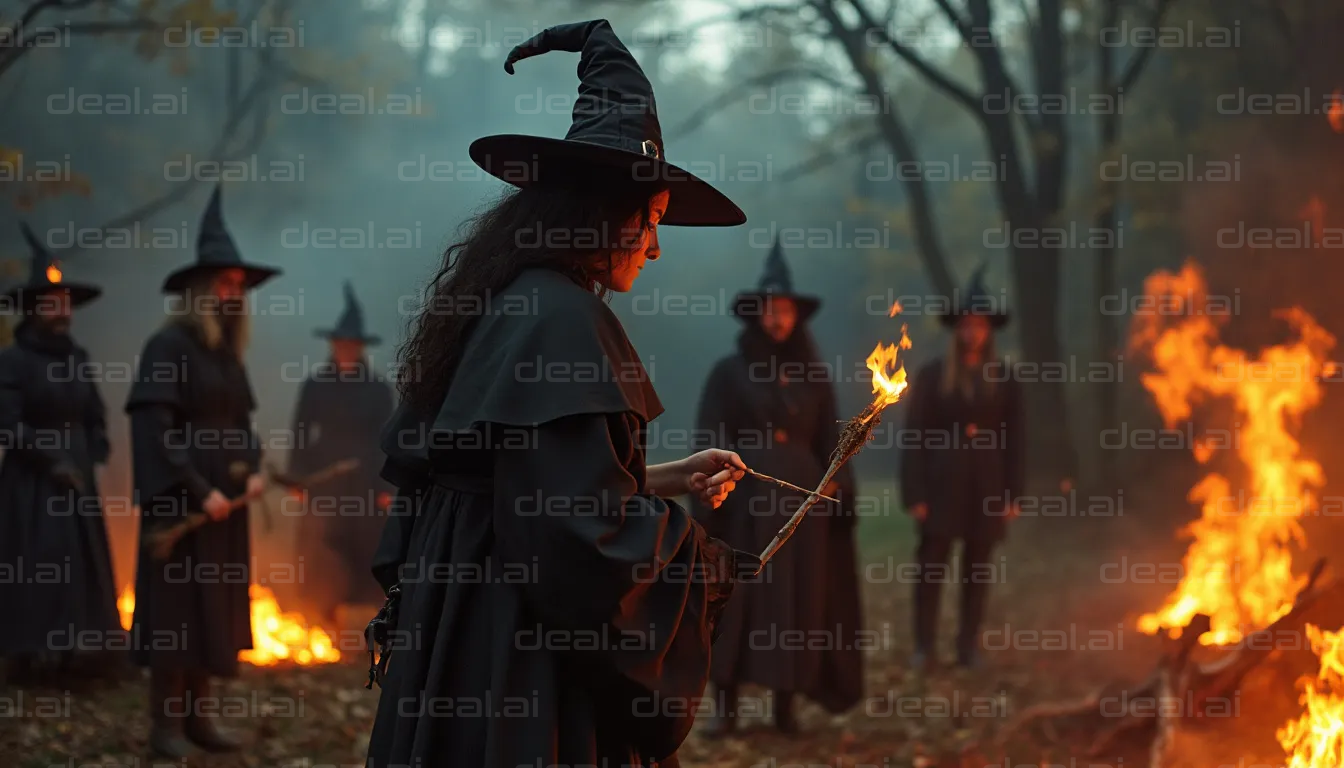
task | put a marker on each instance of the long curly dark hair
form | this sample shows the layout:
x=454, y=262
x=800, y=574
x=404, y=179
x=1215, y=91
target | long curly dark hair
x=576, y=228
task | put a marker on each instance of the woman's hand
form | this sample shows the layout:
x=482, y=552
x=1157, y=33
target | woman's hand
x=217, y=505
x=709, y=475
x=256, y=486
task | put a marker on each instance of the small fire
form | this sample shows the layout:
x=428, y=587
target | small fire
x=126, y=606
x=1238, y=569
x=280, y=636
x=1316, y=739
x=888, y=371
x=276, y=636
x=1336, y=112
x=53, y=274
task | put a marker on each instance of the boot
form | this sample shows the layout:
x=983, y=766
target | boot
x=724, y=721
x=203, y=730
x=166, y=737
x=784, y=720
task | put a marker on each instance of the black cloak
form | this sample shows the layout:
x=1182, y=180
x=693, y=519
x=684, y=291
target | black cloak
x=965, y=458
x=774, y=404
x=190, y=410
x=54, y=556
x=552, y=611
x=339, y=416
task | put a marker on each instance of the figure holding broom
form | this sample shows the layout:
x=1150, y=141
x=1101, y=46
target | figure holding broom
x=194, y=451
x=773, y=401
x=961, y=467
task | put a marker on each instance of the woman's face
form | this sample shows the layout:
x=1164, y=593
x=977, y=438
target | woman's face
x=779, y=318
x=625, y=266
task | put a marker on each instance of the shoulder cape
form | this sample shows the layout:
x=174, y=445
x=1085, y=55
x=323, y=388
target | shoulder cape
x=545, y=348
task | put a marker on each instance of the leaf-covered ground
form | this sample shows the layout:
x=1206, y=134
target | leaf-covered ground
x=1068, y=631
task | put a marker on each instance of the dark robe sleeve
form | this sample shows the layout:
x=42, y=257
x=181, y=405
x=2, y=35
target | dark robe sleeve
x=613, y=560
x=19, y=436
x=406, y=469
x=305, y=419
x=1016, y=453
x=384, y=407
x=95, y=421
x=161, y=462
x=914, y=467
x=715, y=427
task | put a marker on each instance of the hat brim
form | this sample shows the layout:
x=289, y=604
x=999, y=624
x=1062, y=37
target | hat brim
x=333, y=335
x=80, y=293
x=996, y=320
x=255, y=275
x=519, y=160
x=750, y=304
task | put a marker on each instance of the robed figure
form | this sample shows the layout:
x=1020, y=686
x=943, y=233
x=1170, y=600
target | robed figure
x=194, y=450
x=962, y=468
x=342, y=408
x=549, y=602
x=58, y=582
x=773, y=402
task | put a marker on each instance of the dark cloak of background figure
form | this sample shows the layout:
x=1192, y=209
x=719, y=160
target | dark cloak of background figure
x=53, y=541
x=193, y=449
x=342, y=408
x=772, y=403
x=962, y=467
x=591, y=624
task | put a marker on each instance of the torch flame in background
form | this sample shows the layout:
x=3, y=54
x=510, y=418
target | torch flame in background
x=1238, y=569
x=53, y=273
x=1316, y=739
x=1335, y=114
x=126, y=606
x=888, y=371
x=280, y=636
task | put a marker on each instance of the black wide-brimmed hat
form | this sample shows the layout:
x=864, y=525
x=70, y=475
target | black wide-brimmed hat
x=614, y=128
x=975, y=299
x=776, y=280
x=351, y=325
x=216, y=250
x=44, y=276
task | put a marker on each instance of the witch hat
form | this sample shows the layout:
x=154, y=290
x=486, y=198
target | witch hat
x=44, y=276
x=351, y=325
x=975, y=299
x=614, y=127
x=215, y=250
x=776, y=280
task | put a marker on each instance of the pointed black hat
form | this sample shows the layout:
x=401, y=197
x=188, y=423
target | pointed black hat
x=975, y=299
x=351, y=325
x=215, y=250
x=776, y=280
x=614, y=127
x=44, y=275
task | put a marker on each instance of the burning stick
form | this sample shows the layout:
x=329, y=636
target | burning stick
x=888, y=389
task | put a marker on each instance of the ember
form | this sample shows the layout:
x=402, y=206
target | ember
x=1238, y=569
x=1316, y=739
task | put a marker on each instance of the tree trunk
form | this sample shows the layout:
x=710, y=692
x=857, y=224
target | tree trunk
x=1104, y=280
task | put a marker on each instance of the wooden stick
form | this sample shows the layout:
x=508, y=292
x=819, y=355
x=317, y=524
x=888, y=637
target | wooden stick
x=160, y=543
x=777, y=481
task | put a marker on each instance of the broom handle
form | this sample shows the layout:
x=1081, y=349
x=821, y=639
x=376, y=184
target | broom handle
x=161, y=542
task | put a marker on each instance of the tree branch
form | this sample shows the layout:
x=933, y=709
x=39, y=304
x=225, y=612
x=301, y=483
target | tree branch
x=1140, y=59
x=699, y=116
x=829, y=157
x=941, y=81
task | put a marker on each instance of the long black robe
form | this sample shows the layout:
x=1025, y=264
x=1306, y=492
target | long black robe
x=55, y=569
x=340, y=416
x=965, y=459
x=798, y=629
x=190, y=409
x=552, y=610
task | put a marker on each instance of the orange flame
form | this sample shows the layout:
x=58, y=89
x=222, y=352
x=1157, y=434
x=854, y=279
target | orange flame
x=276, y=636
x=889, y=380
x=1316, y=739
x=1238, y=569
x=280, y=636
x=126, y=606
x=1336, y=112
x=53, y=274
